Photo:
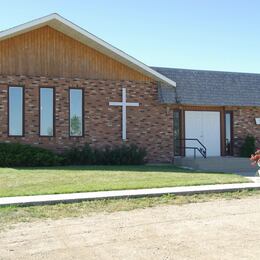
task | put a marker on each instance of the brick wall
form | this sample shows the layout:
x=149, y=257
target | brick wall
x=244, y=124
x=149, y=125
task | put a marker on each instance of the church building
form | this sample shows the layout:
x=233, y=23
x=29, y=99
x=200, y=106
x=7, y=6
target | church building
x=61, y=86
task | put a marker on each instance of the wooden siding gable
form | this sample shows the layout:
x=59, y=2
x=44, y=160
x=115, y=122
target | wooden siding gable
x=48, y=52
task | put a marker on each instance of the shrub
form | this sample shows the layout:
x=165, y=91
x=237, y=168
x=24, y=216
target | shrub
x=248, y=147
x=79, y=156
x=19, y=155
x=16, y=154
x=118, y=155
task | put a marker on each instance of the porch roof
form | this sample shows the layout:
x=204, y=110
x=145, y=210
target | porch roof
x=210, y=88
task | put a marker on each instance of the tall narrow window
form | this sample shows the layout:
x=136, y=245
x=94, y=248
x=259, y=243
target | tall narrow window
x=177, y=132
x=46, y=112
x=15, y=111
x=76, y=112
x=228, y=133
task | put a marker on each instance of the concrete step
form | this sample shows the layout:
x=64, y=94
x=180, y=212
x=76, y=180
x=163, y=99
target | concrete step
x=217, y=164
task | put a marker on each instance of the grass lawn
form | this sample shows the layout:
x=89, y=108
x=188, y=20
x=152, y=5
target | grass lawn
x=53, y=180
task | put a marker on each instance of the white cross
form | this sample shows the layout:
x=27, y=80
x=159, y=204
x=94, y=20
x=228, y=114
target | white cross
x=124, y=104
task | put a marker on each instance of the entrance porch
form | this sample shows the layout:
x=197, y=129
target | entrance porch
x=227, y=164
x=203, y=132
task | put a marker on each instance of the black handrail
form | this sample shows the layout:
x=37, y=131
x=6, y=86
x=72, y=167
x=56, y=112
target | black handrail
x=203, y=151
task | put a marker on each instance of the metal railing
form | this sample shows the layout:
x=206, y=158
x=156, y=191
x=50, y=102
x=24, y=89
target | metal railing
x=202, y=149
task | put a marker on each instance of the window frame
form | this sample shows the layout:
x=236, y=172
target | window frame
x=83, y=114
x=230, y=112
x=177, y=152
x=23, y=110
x=53, y=111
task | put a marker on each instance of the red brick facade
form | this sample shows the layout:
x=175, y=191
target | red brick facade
x=149, y=125
x=245, y=124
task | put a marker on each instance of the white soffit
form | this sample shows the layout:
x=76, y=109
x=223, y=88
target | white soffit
x=63, y=25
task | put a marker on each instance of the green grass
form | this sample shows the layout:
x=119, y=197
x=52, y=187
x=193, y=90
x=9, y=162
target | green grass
x=54, y=180
x=12, y=215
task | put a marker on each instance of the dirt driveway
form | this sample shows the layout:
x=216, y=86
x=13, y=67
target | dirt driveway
x=212, y=230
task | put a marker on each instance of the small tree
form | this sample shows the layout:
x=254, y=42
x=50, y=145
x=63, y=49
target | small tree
x=248, y=147
x=75, y=125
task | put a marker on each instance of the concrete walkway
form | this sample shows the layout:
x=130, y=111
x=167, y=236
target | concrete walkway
x=254, y=179
x=76, y=197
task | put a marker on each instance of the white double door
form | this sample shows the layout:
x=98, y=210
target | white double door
x=204, y=126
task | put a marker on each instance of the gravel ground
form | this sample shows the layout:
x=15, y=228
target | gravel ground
x=224, y=229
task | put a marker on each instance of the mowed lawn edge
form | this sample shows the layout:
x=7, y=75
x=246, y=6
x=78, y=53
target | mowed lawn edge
x=17, y=214
x=74, y=179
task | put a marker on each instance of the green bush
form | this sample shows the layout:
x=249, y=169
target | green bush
x=20, y=155
x=248, y=147
x=118, y=155
x=79, y=156
x=15, y=154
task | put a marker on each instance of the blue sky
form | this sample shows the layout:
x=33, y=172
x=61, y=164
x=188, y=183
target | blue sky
x=198, y=34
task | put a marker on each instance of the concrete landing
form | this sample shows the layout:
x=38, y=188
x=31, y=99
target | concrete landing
x=218, y=164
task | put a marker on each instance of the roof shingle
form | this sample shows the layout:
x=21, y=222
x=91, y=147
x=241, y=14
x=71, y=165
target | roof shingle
x=213, y=88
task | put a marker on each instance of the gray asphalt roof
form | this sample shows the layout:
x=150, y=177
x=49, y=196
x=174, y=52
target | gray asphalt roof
x=218, y=88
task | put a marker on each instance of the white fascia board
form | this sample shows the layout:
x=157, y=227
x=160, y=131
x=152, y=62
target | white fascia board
x=97, y=43
x=37, y=23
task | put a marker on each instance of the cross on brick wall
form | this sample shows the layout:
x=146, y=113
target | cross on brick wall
x=124, y=104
